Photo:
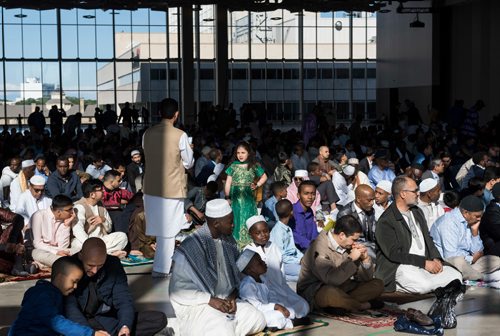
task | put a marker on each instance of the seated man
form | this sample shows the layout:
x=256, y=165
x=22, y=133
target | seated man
x=362, y=209
x=324, y=185
x=51, y=230
x=97, y=168
x=64, y=181
x=42, y=311
x=456, y=235
x=292, y=192
x=196, y=201
x=303, y=226
x=382, y=198
x=93, y=221
x=115, y=199
x=20, y=183
x=140, y=243
x=381, y=169
x=9, y=173
x=282, y=236
x=102, y=299
x=337, y=272
x=407, y=259
x=269, y=209
x=430, y=191
x=205, y=280
x=33, y=199
x=490, y=224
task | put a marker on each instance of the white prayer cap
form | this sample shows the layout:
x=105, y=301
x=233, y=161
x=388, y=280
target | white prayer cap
x=135, y=152
x=353, y=161
x=348, y=170
x=385, y=185
x=427, y=184
x=27, y=163
x=255, y=219
x=37, y=180
x=205, y=150
x=244, y=259
x=212, y=178
x=301, y=173
x=217, y=208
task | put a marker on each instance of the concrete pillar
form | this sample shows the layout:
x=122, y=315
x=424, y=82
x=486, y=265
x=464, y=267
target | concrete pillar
x=221, y=57
x=187, y=87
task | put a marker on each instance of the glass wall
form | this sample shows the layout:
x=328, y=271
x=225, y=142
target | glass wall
x=286, y=62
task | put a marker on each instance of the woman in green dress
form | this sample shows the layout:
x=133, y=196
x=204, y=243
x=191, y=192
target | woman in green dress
x=240, y=185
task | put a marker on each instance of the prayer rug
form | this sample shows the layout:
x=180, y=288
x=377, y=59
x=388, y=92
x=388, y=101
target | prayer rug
x=314, y=325
x=369, y=318
x=6, y=278
x=133, y=260
x=480, y=283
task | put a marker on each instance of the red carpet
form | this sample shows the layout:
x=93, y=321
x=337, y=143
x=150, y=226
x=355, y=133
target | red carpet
x=367, y=320
x=4, y=278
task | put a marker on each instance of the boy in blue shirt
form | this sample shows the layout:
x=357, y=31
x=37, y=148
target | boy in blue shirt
x=42, y=307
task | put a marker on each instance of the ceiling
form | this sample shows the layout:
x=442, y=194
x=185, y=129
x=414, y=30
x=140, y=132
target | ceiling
x=253, y=5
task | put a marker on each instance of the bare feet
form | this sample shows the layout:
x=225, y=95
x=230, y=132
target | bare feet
x=136, y=253
x=119, y=254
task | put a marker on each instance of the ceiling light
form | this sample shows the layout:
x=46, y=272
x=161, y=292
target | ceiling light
x=338, y=25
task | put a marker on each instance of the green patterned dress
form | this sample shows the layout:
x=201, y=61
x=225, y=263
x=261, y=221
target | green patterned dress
x=242, y=198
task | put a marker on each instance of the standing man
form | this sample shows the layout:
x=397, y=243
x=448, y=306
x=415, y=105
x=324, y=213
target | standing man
x=165, y=183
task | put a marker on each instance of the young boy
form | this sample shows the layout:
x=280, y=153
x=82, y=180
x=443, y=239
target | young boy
x=269, y=210
x=274, y=278
x=42, y=307
x=258, y=294
x=282, y=237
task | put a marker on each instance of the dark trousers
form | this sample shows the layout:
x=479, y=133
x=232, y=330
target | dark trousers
x=147, y=323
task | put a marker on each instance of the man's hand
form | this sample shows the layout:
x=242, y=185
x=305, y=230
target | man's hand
x=433, y=267
x=96, y=220
x=282, y=310
x=124, y=331
x=476, y=256
x=474, y=228
x=68, y=222
x=63, y=253
x=363, y=250
x=220, y=304
x=101, y=333
x=355, y=254
x=439, y=263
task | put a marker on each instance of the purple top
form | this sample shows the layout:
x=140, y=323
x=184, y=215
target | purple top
x=303, y=226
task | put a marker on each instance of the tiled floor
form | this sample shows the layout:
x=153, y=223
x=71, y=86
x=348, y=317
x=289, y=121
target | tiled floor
x=478, y=313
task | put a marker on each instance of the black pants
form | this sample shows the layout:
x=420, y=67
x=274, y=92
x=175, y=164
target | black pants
x=147, y=323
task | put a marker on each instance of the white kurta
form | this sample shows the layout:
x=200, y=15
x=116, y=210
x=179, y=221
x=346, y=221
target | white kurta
x=258, y=295
x=196, y=317
x=27, y=205
x=115, y=241
x=15, y=193
x=413, y=279
x=339, y=183
x=275, y=280
x=432, y=211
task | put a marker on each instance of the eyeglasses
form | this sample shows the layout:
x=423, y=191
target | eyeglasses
x=412, y=191
x=38, y=190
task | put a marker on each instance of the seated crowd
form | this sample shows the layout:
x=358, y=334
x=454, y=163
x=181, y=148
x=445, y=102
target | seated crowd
x=347, y=214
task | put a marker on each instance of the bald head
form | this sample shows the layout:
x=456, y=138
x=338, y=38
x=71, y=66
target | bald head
x=324, y=152
x=364, y=197
x=93, y=255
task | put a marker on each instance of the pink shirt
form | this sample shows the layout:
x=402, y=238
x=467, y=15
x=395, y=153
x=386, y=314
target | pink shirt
x=48, y=234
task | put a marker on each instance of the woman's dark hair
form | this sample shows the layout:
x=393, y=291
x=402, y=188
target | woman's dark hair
x=251, y=162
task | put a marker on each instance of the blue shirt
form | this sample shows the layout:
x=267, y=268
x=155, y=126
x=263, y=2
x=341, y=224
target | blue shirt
x=303, y=226
x=375, y=175
x=269, y=210
x=41, y=173
x=487, y=196
x=282, y=236
x=453, y=237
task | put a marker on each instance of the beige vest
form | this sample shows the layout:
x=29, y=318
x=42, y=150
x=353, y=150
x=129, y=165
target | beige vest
x=165, y=175
x=89, y=213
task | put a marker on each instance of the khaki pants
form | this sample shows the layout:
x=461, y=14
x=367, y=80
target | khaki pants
x=47, y=258
x=336, y=297
x=484, y=265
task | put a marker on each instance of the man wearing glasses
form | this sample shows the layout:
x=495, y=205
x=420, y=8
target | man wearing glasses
x=51, y=229
x=33, y=199
x=407, y=259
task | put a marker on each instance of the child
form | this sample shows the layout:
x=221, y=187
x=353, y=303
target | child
x=42, y=307
x=240, y=188
x=282, y=237
x=258, y=294
x=274, y=278
x=269, y=210
x=283, y=172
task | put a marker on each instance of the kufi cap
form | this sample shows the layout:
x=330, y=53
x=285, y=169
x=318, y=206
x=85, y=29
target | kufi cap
x=37, y=180
x=135, y=152
x=212, y=178
x=385, y=186
x=255, y=219
x=348, y=170
x=472, y=203
x=244, y=259
x=217, y=208
x=205, y=150
x=353, y=161
x=301, y=173
x=496, y=191
x=27, y=163
x=427, y=184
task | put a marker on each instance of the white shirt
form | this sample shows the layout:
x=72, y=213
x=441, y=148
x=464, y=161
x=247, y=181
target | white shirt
x=79, y=228
x=340, y=185
x=432, y=211
x=27, y=205
x=96, y=172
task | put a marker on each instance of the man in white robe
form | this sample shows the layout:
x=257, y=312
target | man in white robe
x=430, y=191
x=169, y=154
x=205, y=280
x=33, y=199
